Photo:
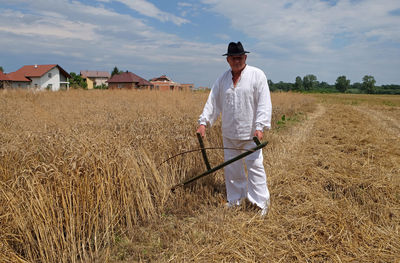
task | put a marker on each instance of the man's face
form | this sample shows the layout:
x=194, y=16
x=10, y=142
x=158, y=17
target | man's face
x=237, y=63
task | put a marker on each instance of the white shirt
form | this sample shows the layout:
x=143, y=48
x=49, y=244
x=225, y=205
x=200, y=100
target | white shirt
x=245, y=107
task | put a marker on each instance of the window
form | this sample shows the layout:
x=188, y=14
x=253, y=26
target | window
x=35, y=85
x=49, y=75
x=49, y=86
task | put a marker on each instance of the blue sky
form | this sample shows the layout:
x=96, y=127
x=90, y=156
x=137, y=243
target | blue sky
x=185, y=39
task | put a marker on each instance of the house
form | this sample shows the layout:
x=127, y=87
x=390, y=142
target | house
x=51, y=77
x=165, y=83
x=95, y=78
x=4, y=81
x=128, y=80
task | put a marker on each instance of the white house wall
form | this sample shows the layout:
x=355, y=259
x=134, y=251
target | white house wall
x=100, y=81
x=44, y=81
x=54, y=80
x=36, y=83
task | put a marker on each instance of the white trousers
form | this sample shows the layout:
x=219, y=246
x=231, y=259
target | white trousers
x=254, y=187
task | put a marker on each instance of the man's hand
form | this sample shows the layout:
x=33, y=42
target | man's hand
x=201, y=130
x=258, y=134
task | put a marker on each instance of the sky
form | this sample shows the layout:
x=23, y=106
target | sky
x=185, y=39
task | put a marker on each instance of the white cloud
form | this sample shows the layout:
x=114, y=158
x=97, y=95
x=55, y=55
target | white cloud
x=314, y=31
x=184, y=4
x=97, y=38
x=148, y=9
x=308, y=36
x=190, y=9
x=311, y=24
x=45, y=26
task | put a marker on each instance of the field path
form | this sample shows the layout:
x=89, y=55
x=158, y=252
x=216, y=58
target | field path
x=337, y=131
x=383, y=119
x=334, y=184
x=281, y=149
x=335, y=173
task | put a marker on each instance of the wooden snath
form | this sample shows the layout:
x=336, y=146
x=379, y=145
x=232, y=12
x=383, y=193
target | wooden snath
x=210, y=170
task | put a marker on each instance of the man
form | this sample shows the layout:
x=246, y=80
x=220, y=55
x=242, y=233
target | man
x=242, y=96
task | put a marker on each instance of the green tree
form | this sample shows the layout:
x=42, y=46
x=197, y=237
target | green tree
x=324, y=86
x=102, y=86
x=77, y=82
x=368, y=84
x=116, y=71
x=342, y=84
x=1, y=69
x=310, y=82
x=357, y=87
x=298, y=85
x=283, y=86
x=271, y=85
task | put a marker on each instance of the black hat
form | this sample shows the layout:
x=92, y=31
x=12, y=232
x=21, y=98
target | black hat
x=235, y=49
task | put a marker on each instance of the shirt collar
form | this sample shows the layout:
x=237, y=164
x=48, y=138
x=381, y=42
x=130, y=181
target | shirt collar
x=245, y=66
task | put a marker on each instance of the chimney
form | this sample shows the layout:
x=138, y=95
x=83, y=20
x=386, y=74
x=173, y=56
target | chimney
x=35, y=65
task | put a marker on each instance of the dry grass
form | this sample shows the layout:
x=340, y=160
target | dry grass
x=80, y=181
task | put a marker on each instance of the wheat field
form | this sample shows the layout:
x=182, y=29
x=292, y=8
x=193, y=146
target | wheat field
x=82, y=179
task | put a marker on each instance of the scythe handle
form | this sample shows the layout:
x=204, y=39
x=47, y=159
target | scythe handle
x=216, y=168
x=203, y=151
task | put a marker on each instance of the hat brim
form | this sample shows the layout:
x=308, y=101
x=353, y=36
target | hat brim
x=236, y=54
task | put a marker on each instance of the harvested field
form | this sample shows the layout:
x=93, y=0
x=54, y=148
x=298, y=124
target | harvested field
x=81, y=181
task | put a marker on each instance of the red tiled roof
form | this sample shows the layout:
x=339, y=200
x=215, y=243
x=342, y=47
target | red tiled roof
x=129, y=77
x=17, y=76
x=3, y=76
x=162, y=78
x=95, y=74
x=34, y=71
